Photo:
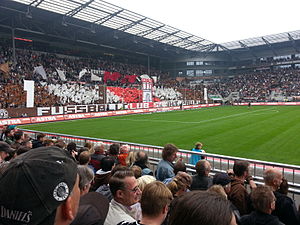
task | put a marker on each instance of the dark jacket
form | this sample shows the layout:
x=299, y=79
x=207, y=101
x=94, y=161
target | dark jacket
x=239, y=197
x=201, y=182
x=258, y=218
x=285, y=210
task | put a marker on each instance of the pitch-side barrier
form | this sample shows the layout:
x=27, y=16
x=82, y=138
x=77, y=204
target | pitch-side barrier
x=219, y=163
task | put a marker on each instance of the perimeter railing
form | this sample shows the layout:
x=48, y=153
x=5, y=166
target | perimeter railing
x=219, y=163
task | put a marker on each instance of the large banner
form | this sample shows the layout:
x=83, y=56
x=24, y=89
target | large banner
x=147, y=85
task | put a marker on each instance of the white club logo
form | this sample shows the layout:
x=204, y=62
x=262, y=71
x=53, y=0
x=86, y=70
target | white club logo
x=61, y=192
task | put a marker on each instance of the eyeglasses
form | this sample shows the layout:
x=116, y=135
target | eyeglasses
x=134, y=190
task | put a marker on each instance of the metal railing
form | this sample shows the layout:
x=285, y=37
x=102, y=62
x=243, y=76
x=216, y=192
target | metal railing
x=219, y=163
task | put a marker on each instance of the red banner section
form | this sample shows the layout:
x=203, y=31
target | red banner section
x=268, y=103
x=44, y=119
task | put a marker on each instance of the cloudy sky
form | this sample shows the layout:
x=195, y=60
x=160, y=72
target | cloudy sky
x=221, y=20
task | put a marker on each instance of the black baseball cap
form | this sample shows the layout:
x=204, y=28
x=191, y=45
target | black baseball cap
x=34, y=185
x=221, y=179
x=93, y=209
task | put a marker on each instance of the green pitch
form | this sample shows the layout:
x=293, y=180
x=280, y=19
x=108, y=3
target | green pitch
x=270, y=133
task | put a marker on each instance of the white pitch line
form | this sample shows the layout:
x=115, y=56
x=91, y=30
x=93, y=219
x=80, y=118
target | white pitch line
x=196, y=122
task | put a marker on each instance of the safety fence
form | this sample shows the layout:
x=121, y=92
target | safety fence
x=219, y=163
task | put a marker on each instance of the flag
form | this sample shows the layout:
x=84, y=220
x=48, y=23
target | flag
x=39, y=70
x=82, y=72
x=95, y=77
x=61, y=74
x=4, y=68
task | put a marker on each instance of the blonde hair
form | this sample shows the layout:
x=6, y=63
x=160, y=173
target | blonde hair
x=90, y=146
x=130, y=159
x=144, y=180
x=217, y=189
x=155, y=197
x=180, y=182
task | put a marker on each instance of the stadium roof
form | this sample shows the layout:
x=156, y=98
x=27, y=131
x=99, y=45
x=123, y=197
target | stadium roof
x=99, y=12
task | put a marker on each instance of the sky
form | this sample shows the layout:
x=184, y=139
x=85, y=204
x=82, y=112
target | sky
x=221, y=21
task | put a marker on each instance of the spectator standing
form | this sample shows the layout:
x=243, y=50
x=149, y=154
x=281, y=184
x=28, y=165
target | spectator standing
x=199, y=207
x=285, y=207
x=40, y=187
x=38, y=142
x=263, y=201
x=126, y=194
x=202, y=180
x=141, y=160
x=97, y=156
x=103, y=175
x=124, y=149
x=238, y=194
x=155, y=201
x=195, y=157
x=165, y=167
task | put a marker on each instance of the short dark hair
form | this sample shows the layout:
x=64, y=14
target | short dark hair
x=179, y=166
x=107, y=163
x=240, y=166
x=114, y=149
x=71, y=147
x=116, y=182
x=201, y=207
x=168, y=150
x=40, y=135
x=18, y=135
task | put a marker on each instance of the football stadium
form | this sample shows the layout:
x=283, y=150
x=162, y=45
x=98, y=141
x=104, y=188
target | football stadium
x=134, y=112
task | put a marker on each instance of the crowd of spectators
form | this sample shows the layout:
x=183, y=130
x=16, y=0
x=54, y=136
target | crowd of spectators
x=123, y=83
x=116, y=185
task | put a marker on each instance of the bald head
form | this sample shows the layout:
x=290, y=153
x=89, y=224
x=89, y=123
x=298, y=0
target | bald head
x=273, y=178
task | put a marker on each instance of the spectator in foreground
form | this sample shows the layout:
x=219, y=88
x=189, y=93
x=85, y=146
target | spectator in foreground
x=42, y=186
x=202, y=180
x=155, y=202
x=90, y=212
x=86, y=176
x=141, y=160
x=5, y=150
x=180, y=184
x=263, y=201
x=126, y=194
x=103, y=175
x=199, y=207
x=285, y=208
x=124, y=149
x=98, y=155
x=165, y=167
x=239, y=195
x=38, y=142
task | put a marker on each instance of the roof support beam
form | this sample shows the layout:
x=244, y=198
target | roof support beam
x=247, y=47
x=78, y=9
x=293, y=42
x=146, y=32
x=108, y=17
x=269, y=45
x=178, y=40
x=36, y=3
x=128, y=26
x=162, y=37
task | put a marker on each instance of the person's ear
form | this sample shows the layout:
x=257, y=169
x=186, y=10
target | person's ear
x=120, y=194
x=165, y=209
x=67, y=209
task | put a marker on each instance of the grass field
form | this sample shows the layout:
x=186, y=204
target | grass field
x=270, y=133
